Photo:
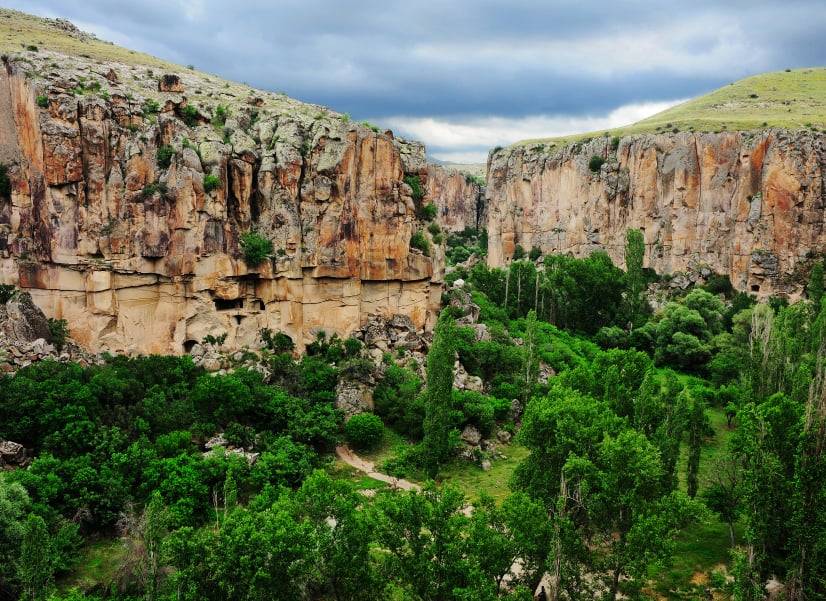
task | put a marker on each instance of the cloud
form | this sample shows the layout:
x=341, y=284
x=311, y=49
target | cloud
x=467, y=140
x=536, y=64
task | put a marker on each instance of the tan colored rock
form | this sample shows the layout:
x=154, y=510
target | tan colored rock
x=170, y=83
x=138, y=258
x=748, y=205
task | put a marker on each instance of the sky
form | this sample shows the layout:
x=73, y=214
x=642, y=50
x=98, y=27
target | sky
x=466, y=75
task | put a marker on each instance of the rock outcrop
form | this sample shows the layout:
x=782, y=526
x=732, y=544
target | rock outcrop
x=131, y=189
x=25, y=337
x=749, y=205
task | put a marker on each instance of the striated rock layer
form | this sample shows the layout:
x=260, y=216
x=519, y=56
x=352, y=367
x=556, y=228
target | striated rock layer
x=140, y=256
x=746, y=204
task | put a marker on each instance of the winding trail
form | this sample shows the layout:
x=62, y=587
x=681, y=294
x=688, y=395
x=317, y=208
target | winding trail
x=347, y=455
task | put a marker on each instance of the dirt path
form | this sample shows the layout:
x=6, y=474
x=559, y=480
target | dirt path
x=347, y=455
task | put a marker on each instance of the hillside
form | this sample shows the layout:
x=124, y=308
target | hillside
x=790, y=99
x=137, y=188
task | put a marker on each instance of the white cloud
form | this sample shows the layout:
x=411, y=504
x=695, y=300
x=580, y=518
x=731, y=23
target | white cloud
x=467, y=140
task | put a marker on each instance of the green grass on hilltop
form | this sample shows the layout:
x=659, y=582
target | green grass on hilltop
x=19, y=32
x=788, y=99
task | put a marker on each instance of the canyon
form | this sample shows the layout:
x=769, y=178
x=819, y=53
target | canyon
x=140, y=252
x=748, y=205
x=131, y=182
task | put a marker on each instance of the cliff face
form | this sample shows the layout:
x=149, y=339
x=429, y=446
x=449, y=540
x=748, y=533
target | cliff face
x=746, y=204
x=143, y=256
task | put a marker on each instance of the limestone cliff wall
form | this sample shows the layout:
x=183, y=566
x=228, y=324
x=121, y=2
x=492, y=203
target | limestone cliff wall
x=142, y=257
x=746, y=204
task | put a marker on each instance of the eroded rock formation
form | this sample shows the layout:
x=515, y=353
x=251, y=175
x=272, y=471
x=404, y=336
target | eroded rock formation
x=746, y=204
x=130, y=190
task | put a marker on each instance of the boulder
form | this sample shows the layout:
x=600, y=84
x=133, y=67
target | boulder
x=12, y=453
x=503, y=436
x=170, y=83
x=23, y=321
x=353, y=396
x=471, y=435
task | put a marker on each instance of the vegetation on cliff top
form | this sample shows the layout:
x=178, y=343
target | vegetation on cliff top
x=793, y=98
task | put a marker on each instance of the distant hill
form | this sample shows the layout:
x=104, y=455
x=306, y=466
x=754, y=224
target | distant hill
x=474, y=169
x=794, y=98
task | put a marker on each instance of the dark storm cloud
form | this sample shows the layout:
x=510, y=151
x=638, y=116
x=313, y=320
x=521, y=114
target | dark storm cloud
x=466, y=59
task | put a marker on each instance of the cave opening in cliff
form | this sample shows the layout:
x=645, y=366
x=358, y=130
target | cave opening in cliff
x=189, y=345
x=256, y=304
x=224, y=304
x=755, y=287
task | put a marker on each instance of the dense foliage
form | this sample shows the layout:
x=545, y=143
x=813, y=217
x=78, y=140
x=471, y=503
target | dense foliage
x=609, y=400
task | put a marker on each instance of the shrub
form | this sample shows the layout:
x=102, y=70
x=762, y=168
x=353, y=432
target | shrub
x=7, y=292
x=151, y=107
x=434, y=228
x=595, y=164
x=214, y=340
x=5, y=182
x=368, y=125
x=219, y=117
x=256, y=248
x=419, y=241
x=535, y=253
x=211, y=182
x=428, y=212
x=416, y=185
x=42, y=101
x=719, y=284
x=398, y=401
x=518, y=252
x=154, y=188
x=615, y=142
x=364, y=431
x=59, y=331
x=190, y=115
x=278, y=342
x=164, y=156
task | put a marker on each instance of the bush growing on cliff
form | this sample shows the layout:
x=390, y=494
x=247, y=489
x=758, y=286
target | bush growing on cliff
x=518, y=252
x=428, y=212
x=596, y=163
x=416, y=186
x=151, y=107
x=5, y=182
x=277, y=342
x=42, y=101
x=7, y=292
x=211, y=182
x=190, y=115
x=535, y=253
x=219, y=117
x=59, y=331
x=164, y=156
x=419, y=240
x=256, y=248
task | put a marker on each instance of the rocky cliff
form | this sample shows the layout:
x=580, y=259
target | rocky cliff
x=746, y=204
x=130, y=188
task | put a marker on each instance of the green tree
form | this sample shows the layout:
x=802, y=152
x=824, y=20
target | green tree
x=34, y=568
x=436, y=445
x=697, y=427
x=422, y=535
x=152, y=532
x=627, y=506
x=14, y=505
x=634, y=276
x=814, y=290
